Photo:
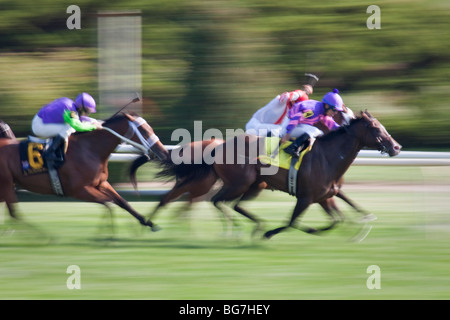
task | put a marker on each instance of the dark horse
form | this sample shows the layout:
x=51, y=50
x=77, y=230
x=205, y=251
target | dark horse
x=85, y=172
x=320, y=173
x=196, y=181
x=319, y=177
x=192, y=178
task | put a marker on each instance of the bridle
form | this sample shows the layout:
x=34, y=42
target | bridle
x=133, y=129
x=381, y=146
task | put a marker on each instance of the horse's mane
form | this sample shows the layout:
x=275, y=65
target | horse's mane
x=111, y=120
x=117, y=117
x=341, y=130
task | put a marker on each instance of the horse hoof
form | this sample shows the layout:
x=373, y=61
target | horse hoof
x=155, y=228
x=267, y=235
x=368, y=218
x=313, y=231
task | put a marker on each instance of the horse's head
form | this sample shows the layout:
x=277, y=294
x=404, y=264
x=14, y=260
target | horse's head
x=374, y=135
x=138, y=131
x=147, y=136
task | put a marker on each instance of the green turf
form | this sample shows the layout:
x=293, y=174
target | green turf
x=191, y=258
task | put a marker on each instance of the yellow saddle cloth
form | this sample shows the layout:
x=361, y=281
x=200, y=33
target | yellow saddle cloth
x=276, y=156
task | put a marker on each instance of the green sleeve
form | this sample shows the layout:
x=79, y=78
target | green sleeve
x=71, y=118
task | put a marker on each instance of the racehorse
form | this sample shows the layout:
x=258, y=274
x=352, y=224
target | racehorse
x=320, y=172
x=84, y=173
x=319, y=178
x=195, y=183
x=198, y=181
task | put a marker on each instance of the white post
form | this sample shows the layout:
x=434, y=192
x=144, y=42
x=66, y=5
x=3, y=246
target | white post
x=119, y=60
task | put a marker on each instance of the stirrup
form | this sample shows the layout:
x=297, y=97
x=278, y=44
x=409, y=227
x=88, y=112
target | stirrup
x=51, y=153
x=293, y=150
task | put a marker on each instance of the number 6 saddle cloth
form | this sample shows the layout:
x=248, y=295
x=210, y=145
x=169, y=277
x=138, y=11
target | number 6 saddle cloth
x=32, y=159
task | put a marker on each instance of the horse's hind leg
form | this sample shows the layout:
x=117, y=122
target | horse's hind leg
x=251, y=193
x=109, y=215
x=227, y=194
x=10, y=199
x=173, y=194
x=8, y=195
x=367, y=216
x=195, y=188
x=330, y=207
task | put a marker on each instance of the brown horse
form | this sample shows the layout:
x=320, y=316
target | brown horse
x=196, y=181
x=319, y=178
x=320, y=173
x=85, y=172
x=193, y=182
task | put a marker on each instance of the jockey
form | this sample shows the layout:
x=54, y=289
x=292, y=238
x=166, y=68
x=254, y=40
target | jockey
x=273, y=117
x=60, y=118
x=304, y=115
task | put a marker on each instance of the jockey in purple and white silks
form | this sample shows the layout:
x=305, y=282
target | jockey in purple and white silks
x=62, y=117
x=304, y=115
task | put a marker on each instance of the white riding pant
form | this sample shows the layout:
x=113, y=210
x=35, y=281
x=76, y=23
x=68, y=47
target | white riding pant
x=255, y=126
x=50, y=130
x=300, y=129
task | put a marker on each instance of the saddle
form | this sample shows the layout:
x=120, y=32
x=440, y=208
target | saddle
x=276, y=156
x=33, y=161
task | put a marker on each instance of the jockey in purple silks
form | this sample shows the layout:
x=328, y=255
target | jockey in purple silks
x=304, y=115
x=63, y=116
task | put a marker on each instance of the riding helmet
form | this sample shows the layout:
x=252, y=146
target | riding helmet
x=334, y=100
x=85, y=101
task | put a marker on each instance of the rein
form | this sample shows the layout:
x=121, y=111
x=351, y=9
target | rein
x=381, y=147
x=145, y=144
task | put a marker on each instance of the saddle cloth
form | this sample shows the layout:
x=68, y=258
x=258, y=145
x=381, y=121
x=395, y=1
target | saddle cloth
x=31, y=155
x=276, y=156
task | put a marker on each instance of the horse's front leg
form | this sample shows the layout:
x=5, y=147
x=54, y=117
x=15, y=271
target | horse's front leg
x=300, y=207
x=367, y=216
x=106, y=193
x=105, y=187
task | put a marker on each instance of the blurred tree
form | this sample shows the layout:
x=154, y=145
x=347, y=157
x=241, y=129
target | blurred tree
x=219, y=61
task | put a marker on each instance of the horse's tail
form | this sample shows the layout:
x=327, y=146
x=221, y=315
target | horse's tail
x=139, y=161
x=182, y=171
x=185, y=171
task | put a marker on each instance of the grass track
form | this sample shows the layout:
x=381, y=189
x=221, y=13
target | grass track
x=191, y=259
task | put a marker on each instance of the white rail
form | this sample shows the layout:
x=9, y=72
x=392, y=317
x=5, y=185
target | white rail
x=126, y=153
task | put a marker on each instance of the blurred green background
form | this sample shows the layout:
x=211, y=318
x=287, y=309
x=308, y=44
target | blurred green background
x=219, y=61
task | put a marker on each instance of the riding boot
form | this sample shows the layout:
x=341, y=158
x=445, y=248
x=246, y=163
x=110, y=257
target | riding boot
x=296, y=147
x=50, y=152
